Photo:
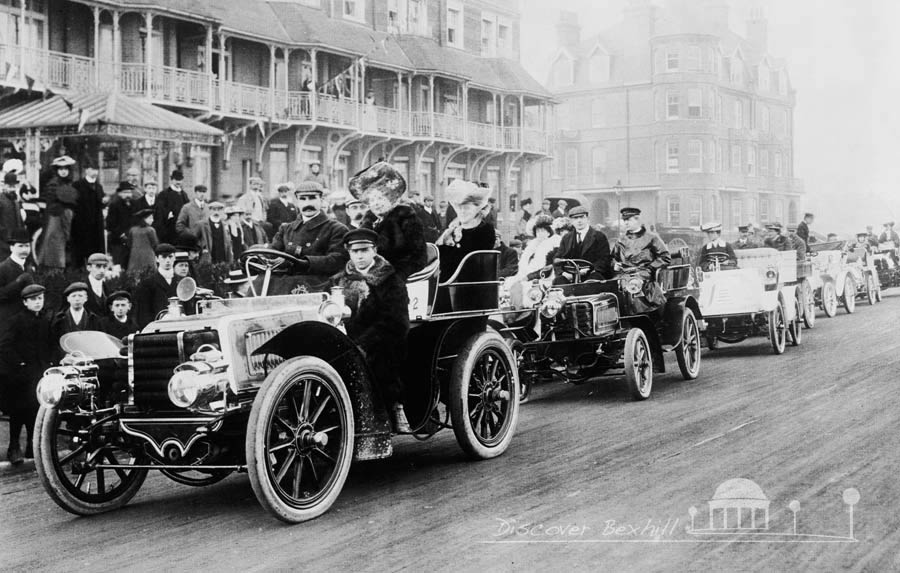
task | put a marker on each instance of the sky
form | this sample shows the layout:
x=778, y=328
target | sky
x=842, y=59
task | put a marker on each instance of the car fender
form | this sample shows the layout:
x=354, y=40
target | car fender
x=789, y=295
x=656, y=348
x=373, y=428
x=674, y=311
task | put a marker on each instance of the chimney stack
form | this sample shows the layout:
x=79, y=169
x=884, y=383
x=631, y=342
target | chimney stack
x=568, y=31
x=758, y=30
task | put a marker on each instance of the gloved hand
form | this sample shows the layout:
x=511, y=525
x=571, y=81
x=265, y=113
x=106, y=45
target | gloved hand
x=302, y=265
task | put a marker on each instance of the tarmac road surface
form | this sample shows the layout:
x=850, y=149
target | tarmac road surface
x=592, y=480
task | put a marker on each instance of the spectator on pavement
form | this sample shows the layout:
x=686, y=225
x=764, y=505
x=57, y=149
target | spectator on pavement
x=142, y=241
x=253, y=200
x=192, y=214
x=153, y=293
x=119, y=219
x=315, y=174
x=75, y=317
x=10, y=215
x=97, y=266
x=119, y=322
x=282, y=210
x=61, y=198
x=168, y=207
x=88, y=233
x=215, y=237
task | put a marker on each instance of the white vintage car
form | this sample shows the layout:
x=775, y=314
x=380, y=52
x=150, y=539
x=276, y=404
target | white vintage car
x=758, y=297
x=840, y=275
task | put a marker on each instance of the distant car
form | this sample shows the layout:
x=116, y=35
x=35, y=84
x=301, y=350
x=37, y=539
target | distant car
x=886, y=260
x=842, y=274
x=271, y=386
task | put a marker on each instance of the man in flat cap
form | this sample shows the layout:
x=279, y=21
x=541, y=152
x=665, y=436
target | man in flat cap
x=26, y=350
x=776, y=239
x=119, y=322
x=253, y=201
x=643, y=252
x=87, y=222
x=356, y=211
x=401, y=236
x=168, y=207
x=120, y=217
x=585, y=243
x=97, y=266
x=282, y=210
x=745, y=240
x=152, y=294
x=193, y=214
x=716, y=249
x=379, y=320
x=74, y=318
x=61, y=198
x=15, y=274
x=314, y=238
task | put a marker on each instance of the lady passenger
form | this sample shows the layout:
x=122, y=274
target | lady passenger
x=469, y=231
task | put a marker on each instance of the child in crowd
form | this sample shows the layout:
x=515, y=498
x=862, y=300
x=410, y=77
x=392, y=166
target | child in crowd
x=142, y=241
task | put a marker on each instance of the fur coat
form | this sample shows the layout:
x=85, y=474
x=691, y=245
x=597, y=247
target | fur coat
x=401, y=239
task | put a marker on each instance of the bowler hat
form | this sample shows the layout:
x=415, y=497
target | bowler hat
x=164, y=249
x=19, y=236
x=75, y=287
x=177, y=175
x=381, y=176
x=125, y=186
x=743, y=228
x=32, y=290
x=578, y=211
x=629, y=212
x=216, y=205
x=308, y=187
x=98, y=259
x=118, y=295
x=11, y=178
x=359, y=237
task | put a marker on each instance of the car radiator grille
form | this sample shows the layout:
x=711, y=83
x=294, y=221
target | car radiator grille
x=576, y=318
x=155, y=357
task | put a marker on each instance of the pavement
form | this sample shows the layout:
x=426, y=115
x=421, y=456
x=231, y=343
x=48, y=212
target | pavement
x=591, y=481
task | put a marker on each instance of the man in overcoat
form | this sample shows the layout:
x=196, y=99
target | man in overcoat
x=168, y=207
x=282, y=210
x=119, y=220
x=87, y=222
x=97, y=265
x=193, y=214
x=152, y=294
x=585, y=243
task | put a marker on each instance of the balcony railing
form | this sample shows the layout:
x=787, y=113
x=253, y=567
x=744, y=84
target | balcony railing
x=198, y=90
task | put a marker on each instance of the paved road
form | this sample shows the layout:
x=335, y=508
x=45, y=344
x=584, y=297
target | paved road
x=592, y=480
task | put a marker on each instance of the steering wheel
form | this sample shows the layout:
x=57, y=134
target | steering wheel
x=264, y=260
x=716, y=260
x=575, y=267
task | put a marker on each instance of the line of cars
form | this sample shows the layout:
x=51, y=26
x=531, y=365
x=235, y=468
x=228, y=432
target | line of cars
x=272, y=386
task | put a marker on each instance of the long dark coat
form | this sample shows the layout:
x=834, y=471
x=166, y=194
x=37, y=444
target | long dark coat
x=87, y=221
x=168, y=202
x=401, y=239
x=10, y=221
x=320, y=240
x=509, y=261
x=594, y=249
x=97, y=304
x=480, y=238
x=120, y=330
x=26, y=350
x=379, y=321
x=13, y=279
x=279, y=214
x=151, y=296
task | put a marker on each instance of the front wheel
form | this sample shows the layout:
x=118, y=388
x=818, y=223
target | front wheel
x=849, y=295
x=638, y=364
x=808, y=304
x=688, y=354
x=67, y=451
x=795, y=329
x=778, y=328
x=871, y=290
x=300, y=439
x=484, y=396
x=829, y=299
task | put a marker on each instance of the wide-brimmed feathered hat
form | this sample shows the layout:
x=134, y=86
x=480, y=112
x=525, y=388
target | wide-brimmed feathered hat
x=381, y=176
x=461, y=192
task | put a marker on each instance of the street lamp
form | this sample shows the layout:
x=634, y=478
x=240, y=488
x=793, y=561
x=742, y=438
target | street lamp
x=618, y=190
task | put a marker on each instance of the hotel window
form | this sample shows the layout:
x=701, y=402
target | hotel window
x=765, y=78
x=673, y=212
x=779, y=210
x=673, y=102
x=765, y=118
x=763, y=210
x=763, y=162
x=695, y=103
x=736, y=158
x=694, y=60
x=695, y=156
x=571, y=163
x=488, y=40
x=737, y=215
x=695, y=211
x=598, y=162
x=355, y=10
x=455, y=25
x=722, y=157
x=672, y=157
x=751, y=161
x=778, y=170
x=598, y=113
x=751, y=210
x=711, y=154
x=738, y=114
x=720, y=105
x=504, y=40
x=672, y=60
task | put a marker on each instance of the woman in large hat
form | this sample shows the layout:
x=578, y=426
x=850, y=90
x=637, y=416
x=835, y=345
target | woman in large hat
x=401, y=237
x=469, y=231
x=61, y=200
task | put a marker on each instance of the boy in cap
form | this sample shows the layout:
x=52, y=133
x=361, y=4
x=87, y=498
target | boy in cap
x=586, y=243
x=26, y=350
x=97, y=265
x=15, y=274
x=715, y=248
x=74, y=318
x=119, y=322
x=152, y=294
x=379, y=320
x=643, y=252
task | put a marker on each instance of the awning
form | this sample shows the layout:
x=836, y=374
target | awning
x=111, y=115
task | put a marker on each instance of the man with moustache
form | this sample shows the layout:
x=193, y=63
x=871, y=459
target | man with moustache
x=314, y=238
x=282, y=210
x=215, y=243
x=192, y=214
x=168, y=207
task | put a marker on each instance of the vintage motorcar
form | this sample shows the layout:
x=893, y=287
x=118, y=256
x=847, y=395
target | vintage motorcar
x=839, y=271
x=757, y=297
x=271, y=386
x=886, y=260
x=597, y=327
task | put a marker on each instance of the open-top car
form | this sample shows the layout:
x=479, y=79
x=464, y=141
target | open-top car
x=596, y=327
x=841, y=275
x=756, y=297
x=886, y=260
x=271, y=386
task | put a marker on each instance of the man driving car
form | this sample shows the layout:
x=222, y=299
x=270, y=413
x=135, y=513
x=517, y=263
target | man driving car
x=583, y=243
x=640, y=252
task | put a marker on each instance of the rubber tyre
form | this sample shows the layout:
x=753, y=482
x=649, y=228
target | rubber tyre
x=808, y=304
x=638, y=365
x=262, y=460
x=688, y=354
x=778, y=329
x=795, y=328
x=849, y=295
x=56, y=480
x=829, y=299
x=484, y=379
x=871, y=288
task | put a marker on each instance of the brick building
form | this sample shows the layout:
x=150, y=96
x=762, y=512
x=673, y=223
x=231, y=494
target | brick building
x=433, y=86
x=674, y=113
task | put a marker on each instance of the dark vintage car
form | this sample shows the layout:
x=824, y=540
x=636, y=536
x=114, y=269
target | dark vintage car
x=586, y=329
x=271, y=386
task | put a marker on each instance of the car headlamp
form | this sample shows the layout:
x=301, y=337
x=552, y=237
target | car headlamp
x=634, y=285
x=771, y=275
x=330, y=312
x=535, y=294
x=196, y=384
x=61, y=387
x=553, y=303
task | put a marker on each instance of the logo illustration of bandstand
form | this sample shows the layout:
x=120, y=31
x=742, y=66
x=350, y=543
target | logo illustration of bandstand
x=739, y=511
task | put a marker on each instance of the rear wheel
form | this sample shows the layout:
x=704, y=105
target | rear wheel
x=808, y=304
x=688, y=354
x=67, y=451
x=638, y=364
x=300, y=439
x=795, y=328
x=484, y=396
x=849, y=295
x=829, y=299
x=778, y=328
x=871, y=290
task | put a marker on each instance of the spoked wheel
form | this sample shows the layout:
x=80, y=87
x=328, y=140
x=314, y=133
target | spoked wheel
x=808, y=303
x=871, y=290
x=795, y=328
x=778, y=328
x=638, y=364
x=688, y=354
x=196, y=478
x=829, y=299
x=484, y=396
x=849, y=295
x=300, y=439
x=67, y=452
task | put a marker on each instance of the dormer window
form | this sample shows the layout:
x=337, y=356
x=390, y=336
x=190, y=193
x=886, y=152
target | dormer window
x=765, y=78
x=600, y=67
x=737, y=72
